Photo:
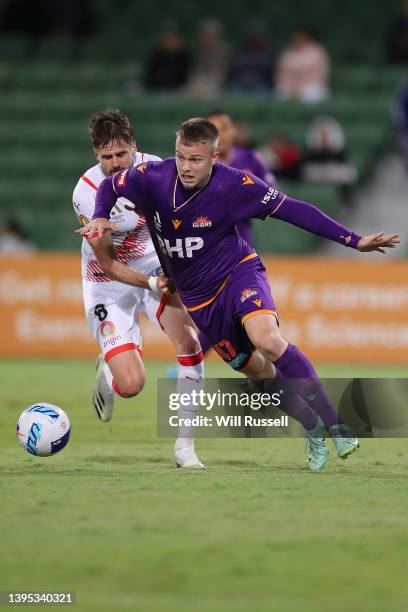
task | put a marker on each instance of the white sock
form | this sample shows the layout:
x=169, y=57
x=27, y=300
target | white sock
x=190, y=377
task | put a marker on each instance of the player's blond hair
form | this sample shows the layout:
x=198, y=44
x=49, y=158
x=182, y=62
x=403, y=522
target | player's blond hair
x=197, y=130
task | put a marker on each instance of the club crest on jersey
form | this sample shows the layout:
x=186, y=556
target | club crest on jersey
x=176, y=223
x=246, y=180
x=202, y=222
x=247, y=293
x=122, y=178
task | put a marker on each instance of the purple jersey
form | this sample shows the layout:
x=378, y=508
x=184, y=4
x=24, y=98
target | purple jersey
x=249, y=160
x=195, y=233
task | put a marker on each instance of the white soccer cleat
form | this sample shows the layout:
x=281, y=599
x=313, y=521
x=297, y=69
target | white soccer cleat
x=187, y=459
x=103, y=397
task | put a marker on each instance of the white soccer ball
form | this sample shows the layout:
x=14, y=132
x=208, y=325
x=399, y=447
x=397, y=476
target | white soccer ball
x=43, y=429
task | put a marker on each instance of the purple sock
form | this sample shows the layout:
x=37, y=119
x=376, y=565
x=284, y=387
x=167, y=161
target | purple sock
x=296, y=407
x=294, y=364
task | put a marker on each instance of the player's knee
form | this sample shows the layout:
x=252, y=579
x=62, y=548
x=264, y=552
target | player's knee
x=129, y=387
x=271, y=346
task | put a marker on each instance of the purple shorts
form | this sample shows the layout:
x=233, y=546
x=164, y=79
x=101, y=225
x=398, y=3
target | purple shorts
x=246, y=294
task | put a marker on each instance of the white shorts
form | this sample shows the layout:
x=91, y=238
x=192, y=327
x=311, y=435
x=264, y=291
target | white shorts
x=112, y=312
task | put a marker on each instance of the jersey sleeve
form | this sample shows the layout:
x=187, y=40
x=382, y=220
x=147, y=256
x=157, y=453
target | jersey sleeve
x=314, y=220
x=129, y=184
x=250, y=197
x=83, y=203
x=256, y=199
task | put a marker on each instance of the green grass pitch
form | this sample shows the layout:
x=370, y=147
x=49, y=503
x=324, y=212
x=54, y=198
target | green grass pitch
x=111, y=519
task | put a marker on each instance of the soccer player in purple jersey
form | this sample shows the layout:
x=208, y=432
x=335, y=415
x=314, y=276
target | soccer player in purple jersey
x=192, y=204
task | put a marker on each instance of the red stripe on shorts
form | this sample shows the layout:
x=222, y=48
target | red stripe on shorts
x=121, y=349
x=160, y=309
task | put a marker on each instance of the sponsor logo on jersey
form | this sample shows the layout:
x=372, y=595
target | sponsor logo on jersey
x=141, y=167
x=257, y=303
x=176, y=223
x=107, y=328
x=247, y=293
x=271, y=194
x=122, y=178
x=83, y=219
x=157, y=221
x=202, y=222
x=182, y=247
x=246, y=180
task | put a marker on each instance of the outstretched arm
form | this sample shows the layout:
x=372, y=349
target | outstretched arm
x=105, y=253
x=310, y=218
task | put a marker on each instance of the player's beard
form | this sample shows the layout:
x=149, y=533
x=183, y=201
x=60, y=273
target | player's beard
x=113, y=171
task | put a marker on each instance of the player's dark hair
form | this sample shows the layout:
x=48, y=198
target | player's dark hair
x=110, y=125
x=197, y=130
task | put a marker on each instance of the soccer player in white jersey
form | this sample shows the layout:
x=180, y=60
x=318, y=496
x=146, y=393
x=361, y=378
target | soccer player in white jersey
x=121, y=278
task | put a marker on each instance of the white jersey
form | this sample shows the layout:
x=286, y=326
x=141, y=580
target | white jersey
x=132, y=243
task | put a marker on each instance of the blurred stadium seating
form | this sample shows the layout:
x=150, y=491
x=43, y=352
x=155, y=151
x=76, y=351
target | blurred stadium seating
x=45, y=146
x=352, y=31
x=51, y=86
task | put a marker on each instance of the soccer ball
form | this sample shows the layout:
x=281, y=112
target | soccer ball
x=43, y=429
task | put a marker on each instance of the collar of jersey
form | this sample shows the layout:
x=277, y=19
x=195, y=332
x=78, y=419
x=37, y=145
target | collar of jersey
x=177, y=208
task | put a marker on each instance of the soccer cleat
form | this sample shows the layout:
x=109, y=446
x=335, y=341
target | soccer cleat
x=187, y=459
x=103, y=397
x=344, y=440
x=317, y=451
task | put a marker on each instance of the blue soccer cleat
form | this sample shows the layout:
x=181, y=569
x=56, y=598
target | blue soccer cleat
x=317, y=451
x=344, y=440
